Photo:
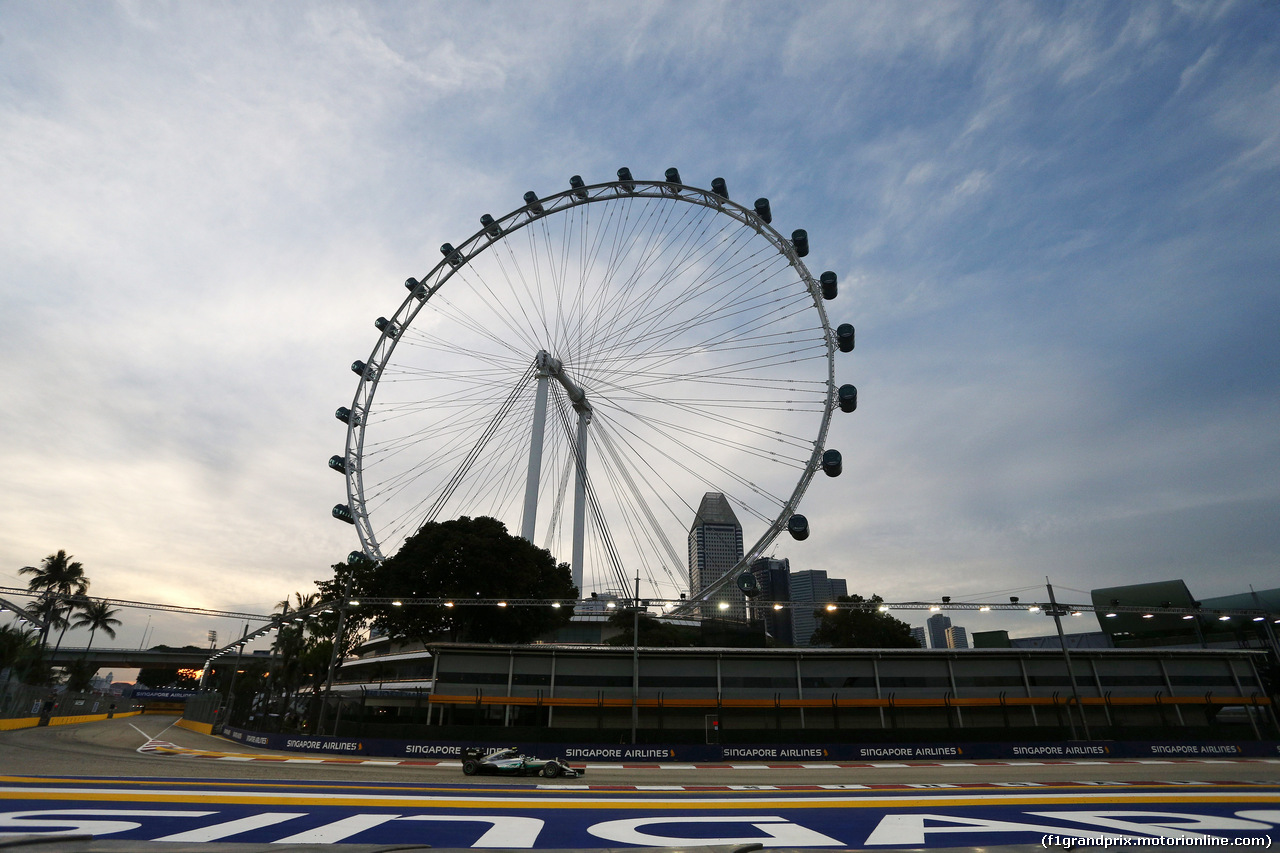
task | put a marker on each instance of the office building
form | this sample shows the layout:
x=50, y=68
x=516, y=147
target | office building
x=811, y=590
x=773, y=576
x=918, y=635
x=938, y=625
x=715, y=547
x=957, y=637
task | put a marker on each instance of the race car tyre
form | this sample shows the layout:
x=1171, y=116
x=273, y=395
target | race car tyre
x=551, y=771
x=470, y=767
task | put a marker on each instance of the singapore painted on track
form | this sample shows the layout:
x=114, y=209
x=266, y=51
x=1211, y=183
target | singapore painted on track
x=164, y=783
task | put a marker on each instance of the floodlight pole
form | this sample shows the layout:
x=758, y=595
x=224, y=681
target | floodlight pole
x=635, y=660
x=333, y=660
x=228, y=703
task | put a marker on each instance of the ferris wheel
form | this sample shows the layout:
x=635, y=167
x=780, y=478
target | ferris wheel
x=587, y=367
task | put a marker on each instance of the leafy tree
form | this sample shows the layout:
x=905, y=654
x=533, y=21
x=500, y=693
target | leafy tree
x=291, y=644
x=463, y=559
x=80, y=675
x=19, y=649
x=862, y=627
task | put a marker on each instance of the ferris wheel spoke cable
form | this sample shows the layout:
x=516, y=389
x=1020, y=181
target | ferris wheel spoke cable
x=703, y=413
x=650, y=305
x=535, y=269
x=553, y=524
x=559, y=275
x=660, y=305
x=756, y=308
x=446, y=309
x=679, y=243
x=714, y=417
x=658, y=532
x=676, y=326
x=712, y=486
x=593, y=505
x=758, y=339
x=714, y=433
x=631, y=285
x=478, y=448
x=521, y=326
x=696, y=285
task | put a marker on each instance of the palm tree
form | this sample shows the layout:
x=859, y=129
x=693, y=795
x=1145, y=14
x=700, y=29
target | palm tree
x=57, y=573
x=97, y=615
x=57, y=577
x=73, y=602
x=49, y=608
x=291, y=643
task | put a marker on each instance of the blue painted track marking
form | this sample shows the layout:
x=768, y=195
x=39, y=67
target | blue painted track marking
x=523, y=817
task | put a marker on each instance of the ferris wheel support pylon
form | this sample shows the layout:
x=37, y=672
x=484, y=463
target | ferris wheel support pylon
x=548, y=367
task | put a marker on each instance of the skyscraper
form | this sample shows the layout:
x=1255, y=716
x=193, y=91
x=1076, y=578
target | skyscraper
x=810, y=591
x=918, y=635
x=774, y=579
x=957, y=638
x=715, y=547
x=938, y=625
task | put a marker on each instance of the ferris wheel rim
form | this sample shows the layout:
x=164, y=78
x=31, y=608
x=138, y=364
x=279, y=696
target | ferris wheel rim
x=498, y=230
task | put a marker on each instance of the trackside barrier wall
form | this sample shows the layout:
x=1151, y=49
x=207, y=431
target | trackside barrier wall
x=24, y=705
x=804, y=753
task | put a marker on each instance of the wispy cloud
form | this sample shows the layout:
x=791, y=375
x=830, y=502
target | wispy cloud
x=1054, y=228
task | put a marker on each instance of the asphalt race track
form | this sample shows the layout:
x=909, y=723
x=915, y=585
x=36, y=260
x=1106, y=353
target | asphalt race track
x=143, y=779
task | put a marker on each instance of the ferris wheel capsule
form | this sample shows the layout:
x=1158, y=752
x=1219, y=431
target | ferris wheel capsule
x=848, y=397
x=800, y=242
x=829, y=285
x=763, y=210
x=844, y=337
x=798, y=527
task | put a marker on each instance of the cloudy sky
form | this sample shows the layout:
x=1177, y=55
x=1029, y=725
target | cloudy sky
x=1057, y=228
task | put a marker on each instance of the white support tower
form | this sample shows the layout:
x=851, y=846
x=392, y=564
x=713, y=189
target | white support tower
x=548, y=367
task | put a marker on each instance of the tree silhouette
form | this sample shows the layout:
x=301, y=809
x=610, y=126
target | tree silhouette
x=466, y=558
x=97, y=616
x=57, y=573
x=58, y=578
x=19, y=647
x=862, y=628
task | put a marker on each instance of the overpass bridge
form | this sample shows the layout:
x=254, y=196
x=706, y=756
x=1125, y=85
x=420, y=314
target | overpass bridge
x=136, y=658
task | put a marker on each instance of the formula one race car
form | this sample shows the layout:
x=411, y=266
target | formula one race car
x=507, y=762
